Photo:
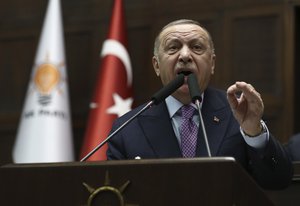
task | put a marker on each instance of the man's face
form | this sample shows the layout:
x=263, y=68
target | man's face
x=184, y=48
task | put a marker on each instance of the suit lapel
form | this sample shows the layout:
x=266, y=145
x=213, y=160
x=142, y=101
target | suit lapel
x=216, y=115
x=158, y=130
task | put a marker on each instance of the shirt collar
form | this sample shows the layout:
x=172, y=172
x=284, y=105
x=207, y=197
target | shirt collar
x=174, y=105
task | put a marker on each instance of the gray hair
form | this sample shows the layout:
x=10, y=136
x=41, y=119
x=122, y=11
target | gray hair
x=180, y=22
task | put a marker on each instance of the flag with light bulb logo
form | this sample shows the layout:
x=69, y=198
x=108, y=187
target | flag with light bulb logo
x=44, y=133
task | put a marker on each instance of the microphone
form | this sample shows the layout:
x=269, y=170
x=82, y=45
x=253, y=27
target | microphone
x=196, y=99
x=194, y=88
x=168, y=89
x=157, y=98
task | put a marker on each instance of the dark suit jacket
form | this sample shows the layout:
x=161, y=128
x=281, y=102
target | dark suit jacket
x=293, y=147
x=151, y=135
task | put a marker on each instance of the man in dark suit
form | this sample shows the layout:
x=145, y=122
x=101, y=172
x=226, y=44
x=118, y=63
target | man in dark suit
x=233, y=122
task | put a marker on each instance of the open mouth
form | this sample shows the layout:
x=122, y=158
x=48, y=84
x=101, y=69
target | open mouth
x=185, y=73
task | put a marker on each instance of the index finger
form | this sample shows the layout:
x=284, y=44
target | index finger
x=247, y=89
x=232, y=96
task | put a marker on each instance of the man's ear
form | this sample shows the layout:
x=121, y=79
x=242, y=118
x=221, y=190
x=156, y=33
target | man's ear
x=213, y=63
x=155, y=64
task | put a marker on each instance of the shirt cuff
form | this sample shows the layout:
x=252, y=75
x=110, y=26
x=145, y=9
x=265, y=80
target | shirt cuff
x=259, y=141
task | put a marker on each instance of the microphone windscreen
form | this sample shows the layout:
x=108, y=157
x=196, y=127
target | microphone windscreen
x=167, y=90
x=194, y=88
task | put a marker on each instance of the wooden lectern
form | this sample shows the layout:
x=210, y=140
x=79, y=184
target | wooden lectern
x=159, y=182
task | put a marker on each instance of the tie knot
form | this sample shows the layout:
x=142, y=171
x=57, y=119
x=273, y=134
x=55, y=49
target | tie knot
x=187, y=111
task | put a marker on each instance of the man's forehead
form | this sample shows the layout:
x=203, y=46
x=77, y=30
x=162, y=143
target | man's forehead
x=183, y=29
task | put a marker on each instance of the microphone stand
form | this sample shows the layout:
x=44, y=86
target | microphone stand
x=196, y=99
x=197, y=102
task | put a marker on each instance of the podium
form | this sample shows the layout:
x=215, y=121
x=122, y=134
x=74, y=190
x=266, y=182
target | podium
x=152, y=182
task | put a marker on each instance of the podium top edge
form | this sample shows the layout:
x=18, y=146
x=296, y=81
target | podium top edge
x=128, y=162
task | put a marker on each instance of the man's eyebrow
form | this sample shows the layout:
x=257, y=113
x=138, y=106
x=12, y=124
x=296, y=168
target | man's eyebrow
x=200, y=38
x=170, y=40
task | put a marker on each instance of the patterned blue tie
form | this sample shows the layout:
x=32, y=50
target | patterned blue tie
x=188, y=132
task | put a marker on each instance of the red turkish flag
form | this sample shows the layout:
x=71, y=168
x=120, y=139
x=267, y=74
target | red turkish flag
x=113, y=94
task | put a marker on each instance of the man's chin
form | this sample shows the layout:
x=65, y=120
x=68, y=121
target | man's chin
x=183, y=94
x=184, y=89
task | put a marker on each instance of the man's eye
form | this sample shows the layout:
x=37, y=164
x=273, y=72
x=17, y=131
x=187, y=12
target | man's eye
x=198, y=48
x=172, y=49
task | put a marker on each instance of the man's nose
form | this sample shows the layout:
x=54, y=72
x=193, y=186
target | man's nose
x=185, y=55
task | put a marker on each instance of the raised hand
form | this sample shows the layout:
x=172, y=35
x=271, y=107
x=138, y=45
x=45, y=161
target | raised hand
x=247, y=107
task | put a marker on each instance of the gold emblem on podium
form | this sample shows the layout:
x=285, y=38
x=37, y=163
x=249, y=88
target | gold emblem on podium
x=115, y=195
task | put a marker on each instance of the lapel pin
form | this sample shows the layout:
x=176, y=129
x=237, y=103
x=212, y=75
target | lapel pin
x=216, y=119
